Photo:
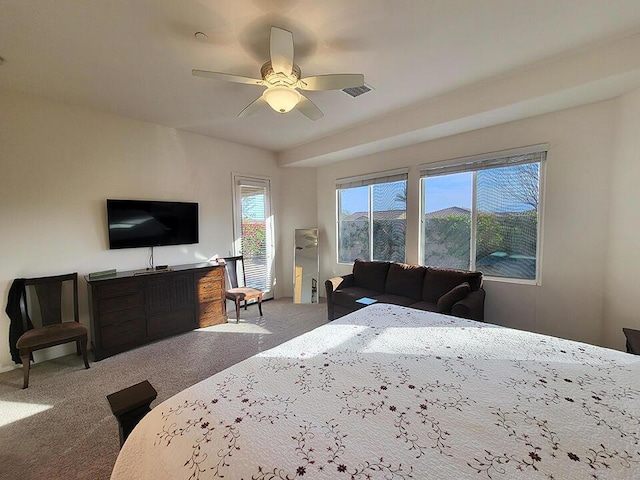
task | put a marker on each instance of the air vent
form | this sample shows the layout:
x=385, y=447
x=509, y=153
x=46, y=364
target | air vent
x=357, y=91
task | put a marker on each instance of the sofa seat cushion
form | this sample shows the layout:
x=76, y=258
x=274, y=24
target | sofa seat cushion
x=438, y=281
x=370, y=275
x=426, y=306
x=405, y=280
x=457, y=293
x=395, y=299
x=346, y=297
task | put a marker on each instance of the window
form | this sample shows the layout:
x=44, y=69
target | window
x=253, y=226
x=484, y=214
x=372, y=217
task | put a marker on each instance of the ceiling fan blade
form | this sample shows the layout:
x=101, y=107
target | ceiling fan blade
x=252, y=107
x=227, y=77
x=332, y=82
x=281, y=50
x=309, y=109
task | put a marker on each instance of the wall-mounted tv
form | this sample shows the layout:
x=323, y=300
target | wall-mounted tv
x=143, y=223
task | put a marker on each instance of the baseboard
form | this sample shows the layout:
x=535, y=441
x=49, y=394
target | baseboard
x=8, y=367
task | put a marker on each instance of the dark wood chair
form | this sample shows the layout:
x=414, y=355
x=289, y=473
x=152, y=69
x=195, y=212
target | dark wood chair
x=54, y=331
x=236, y=293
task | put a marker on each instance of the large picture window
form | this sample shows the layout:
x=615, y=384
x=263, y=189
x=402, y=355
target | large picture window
x=484, y=214
x=372, y=217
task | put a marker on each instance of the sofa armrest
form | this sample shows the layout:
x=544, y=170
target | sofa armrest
x=471, y=307
x=331, y=286
x=335, y=283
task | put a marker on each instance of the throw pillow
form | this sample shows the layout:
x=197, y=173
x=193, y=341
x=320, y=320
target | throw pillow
x=446, y=301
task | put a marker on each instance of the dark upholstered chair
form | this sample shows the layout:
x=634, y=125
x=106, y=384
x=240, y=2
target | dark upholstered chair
x=54, y=330
x=236, y=293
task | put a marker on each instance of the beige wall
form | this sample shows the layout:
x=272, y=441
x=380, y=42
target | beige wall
x=59, y=163
x=297, y=209
x=569, y=302
x=623, y=259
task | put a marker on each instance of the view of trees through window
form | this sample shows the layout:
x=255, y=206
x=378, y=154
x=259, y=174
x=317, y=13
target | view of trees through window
x=253, y=239
x=506, y=229
x=482, y=215
x=372, y=222
x=447, y=220
x=253, y=213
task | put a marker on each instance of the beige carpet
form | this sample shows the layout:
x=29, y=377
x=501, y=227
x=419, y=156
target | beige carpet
x=61, y=427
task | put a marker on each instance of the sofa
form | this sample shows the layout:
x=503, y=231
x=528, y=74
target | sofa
x=442, y=290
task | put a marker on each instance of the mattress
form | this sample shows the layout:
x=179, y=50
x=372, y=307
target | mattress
x=390, y=392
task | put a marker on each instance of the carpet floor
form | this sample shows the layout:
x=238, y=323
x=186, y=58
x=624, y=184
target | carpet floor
x=61, y=427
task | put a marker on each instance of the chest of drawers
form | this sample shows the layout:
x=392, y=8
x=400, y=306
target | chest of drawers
x=128, y=309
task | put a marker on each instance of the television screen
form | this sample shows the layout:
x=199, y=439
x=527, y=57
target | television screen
x=143, y=223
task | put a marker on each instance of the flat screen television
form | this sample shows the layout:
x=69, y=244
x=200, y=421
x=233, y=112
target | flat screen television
x=144, y=223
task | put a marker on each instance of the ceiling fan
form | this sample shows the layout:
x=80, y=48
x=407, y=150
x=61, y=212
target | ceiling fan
x=281, y=77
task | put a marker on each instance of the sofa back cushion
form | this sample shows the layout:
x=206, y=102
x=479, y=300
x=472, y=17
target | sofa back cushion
x=438, y=281
x=405, y=280
x=371, y=275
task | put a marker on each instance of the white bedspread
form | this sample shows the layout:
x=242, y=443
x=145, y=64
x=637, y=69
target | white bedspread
x=395, y=393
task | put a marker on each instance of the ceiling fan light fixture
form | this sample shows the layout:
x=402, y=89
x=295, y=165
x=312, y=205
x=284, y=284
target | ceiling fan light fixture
x=281, y=77
x=282, y=99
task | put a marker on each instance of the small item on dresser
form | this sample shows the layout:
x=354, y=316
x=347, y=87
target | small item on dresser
x=162, y=267
x=103, y=273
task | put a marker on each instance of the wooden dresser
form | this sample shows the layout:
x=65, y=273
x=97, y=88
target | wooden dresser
x=129, y=309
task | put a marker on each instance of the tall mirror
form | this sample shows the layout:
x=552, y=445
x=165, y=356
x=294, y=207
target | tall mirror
x=306, y=266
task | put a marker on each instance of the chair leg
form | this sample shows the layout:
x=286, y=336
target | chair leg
x=83, y=347
x=78, y=348
x=260, y=304
x=26, y=361
x=245, y=304
x=237, y=310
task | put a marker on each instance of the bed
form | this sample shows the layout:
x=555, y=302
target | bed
x=389, y=392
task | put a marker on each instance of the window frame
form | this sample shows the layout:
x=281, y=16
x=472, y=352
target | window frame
x=470, y=164
x=238, y=181
x=369, y=181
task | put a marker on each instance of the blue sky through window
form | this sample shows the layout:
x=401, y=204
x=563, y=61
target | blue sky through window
x=453, y=190
x=448, y=191
x=253, y=206
x=354, y=200
x=386, y=196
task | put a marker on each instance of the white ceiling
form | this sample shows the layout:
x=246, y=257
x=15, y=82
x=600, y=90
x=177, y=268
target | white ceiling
x=134, y=57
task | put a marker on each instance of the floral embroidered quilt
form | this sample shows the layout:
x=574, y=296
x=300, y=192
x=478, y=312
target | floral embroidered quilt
x=389, y=392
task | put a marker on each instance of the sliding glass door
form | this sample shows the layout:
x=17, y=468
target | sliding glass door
x=253, y=229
